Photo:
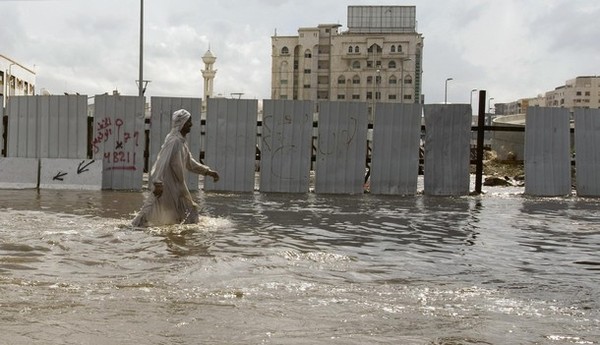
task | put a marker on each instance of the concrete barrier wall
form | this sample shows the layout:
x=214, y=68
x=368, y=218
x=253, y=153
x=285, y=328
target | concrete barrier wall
x=55, y=127
x=447, y=149
x=587, y=141
x=341, y=147
x=231, y=143
x=547, y=152
x=47, y=127
x=118, y=140
x=286, y=148
x=19, y=173
x=82, y=174
x=395, y=157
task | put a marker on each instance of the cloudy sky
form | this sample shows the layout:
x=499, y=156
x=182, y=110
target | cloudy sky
x=511, y=48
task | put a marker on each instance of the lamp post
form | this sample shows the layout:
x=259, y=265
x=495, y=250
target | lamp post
x=446, y=90
x=471, y=101
x=141, y=87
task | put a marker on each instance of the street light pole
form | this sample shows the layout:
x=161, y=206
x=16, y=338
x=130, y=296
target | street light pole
x=446, y=90
x=141, y=80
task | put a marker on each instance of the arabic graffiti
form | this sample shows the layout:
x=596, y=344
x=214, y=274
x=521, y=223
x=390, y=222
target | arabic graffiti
x=122, y=154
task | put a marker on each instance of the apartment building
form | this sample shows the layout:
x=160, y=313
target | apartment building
x=15, y=79
x=580, y=92
x=378, y=59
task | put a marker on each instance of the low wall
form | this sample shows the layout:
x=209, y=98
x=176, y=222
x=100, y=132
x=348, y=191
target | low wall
x=509, y=145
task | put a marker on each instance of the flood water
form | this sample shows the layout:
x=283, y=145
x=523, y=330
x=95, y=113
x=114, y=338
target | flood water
x=500, y=268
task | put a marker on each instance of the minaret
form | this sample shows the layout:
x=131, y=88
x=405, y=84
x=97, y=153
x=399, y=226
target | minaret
x=209, y=75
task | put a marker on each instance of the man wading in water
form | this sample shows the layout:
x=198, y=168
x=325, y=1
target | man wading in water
x=171, y=201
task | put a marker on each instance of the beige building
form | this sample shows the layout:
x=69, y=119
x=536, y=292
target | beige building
x=15, y=79
x=581, y=92
x=378, y=59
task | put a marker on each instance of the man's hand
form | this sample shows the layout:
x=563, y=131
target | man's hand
x=214, y=175
x=158, y=190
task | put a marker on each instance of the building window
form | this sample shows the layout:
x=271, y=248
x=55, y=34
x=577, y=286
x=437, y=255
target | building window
x=356, y=49
x=399, y=48
x=392, y=80
x=377, y=95
x=392, y=64
x=393, y=49
x=307, y=71
x=356, y=80
x=578, y=93
x=307, y=86
x=374, y=49
x=355, y=96
x=285, y=51
x=283, y=81
x=341, y=96
x=392, y=97
x=356, y=65
x=378, y=64
x=408, y=97
x=378, y=79
x=283, y=97
x=341, y=80
x=369, y=80
x=369, y=95
x=408, y=80
x=307, y=54
x=350, y=49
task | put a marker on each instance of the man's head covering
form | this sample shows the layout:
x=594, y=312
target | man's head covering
x=179, y=118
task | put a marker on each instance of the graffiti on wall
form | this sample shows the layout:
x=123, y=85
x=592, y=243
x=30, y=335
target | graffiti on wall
x=119, y=145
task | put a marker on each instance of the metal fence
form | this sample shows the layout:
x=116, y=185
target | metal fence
x=296, y=145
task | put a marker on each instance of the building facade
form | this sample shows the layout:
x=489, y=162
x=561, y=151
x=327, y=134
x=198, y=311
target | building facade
x=378, y=59
x=15, y=79
x=580, y=92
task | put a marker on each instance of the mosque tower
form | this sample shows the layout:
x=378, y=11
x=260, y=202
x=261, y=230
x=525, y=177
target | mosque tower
x=209, y=75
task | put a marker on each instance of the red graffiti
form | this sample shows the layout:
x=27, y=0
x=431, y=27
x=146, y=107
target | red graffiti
x=119, y=146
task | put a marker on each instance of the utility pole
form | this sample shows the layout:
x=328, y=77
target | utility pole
x=141, y=79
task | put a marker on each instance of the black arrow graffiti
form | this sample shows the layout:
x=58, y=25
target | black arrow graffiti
x=59, y=176
x=83, y=168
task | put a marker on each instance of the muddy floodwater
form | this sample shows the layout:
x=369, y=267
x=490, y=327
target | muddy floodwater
x=500, y=268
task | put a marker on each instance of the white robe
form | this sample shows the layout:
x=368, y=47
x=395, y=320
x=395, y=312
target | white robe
x=175, y=205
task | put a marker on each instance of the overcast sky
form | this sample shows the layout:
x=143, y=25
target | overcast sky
x=511, y=48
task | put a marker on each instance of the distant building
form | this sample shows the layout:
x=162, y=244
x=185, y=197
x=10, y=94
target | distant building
x=208, y=73
x=379, y=59
x=15, y=79
x=581, y=92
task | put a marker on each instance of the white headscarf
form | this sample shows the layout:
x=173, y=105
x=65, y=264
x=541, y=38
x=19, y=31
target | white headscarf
x=179, y=118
